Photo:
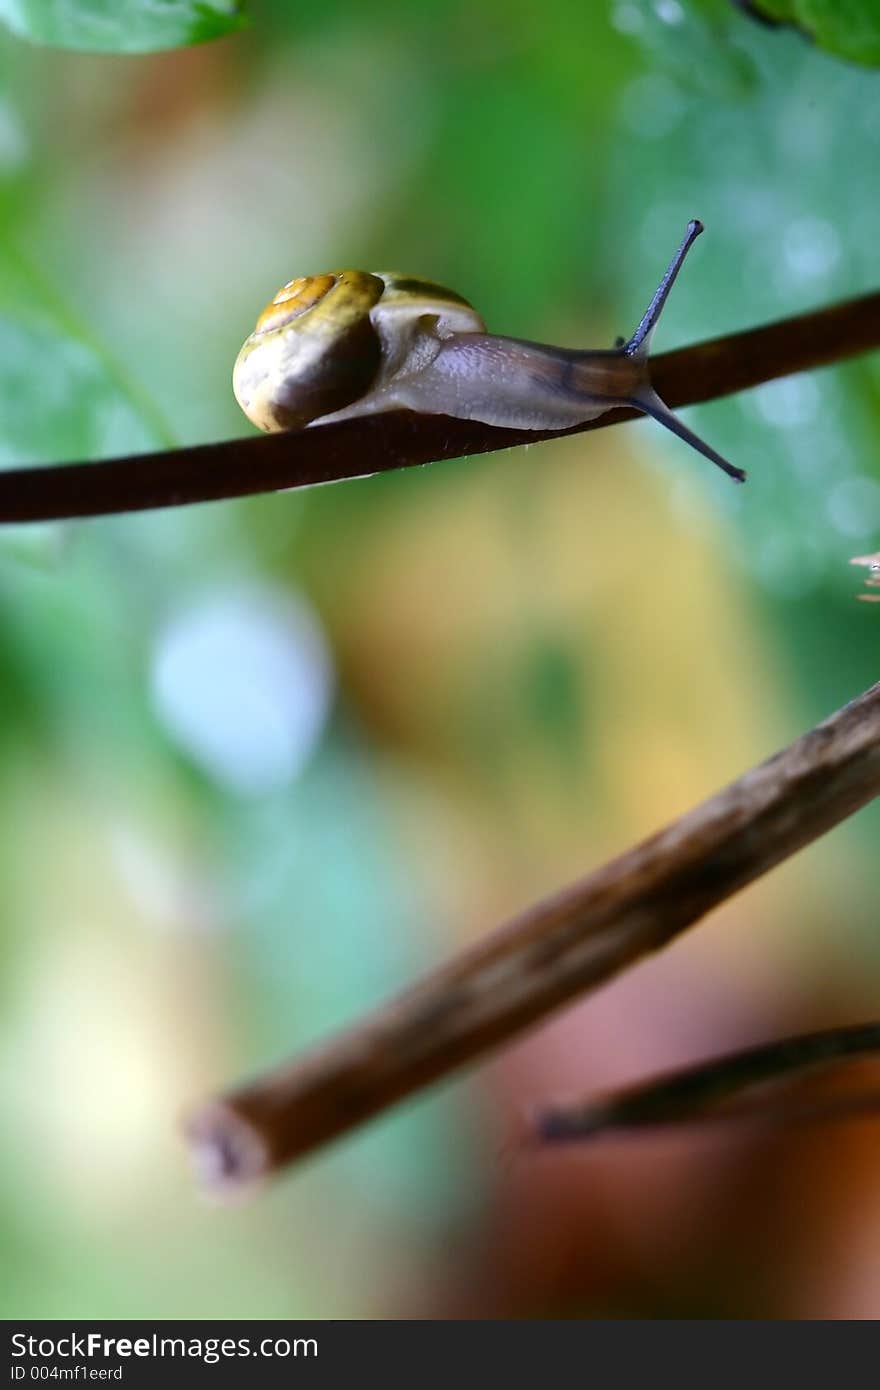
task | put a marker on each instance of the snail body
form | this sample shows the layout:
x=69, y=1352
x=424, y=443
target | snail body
x=351, y=343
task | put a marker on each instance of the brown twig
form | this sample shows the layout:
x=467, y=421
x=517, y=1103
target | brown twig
x=872, y=562
x=562, y=947
x=399, y=439
x=724, y=1089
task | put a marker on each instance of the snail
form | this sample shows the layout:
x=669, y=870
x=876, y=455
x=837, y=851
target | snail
x=349, y=343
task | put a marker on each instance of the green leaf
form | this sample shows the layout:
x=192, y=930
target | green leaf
x=121, y=26
x=848, y=28
x=61, y=395
x=56, y=400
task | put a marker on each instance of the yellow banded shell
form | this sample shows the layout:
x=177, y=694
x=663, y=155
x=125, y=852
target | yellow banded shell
x=313, y=350
x=325, y=341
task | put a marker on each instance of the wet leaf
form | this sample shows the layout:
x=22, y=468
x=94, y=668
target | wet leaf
x=121, y=26
x=848, y=28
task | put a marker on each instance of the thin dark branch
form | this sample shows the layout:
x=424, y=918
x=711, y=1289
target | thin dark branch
x=719, y=1089
x=564, y=947
x=399, y=439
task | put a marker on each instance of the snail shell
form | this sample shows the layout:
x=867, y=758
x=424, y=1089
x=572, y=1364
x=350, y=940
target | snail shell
x=325, y=342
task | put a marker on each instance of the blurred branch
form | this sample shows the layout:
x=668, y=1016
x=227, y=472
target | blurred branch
x=872, y=562
x=563, y=947
x=714, y=1090
x=400, y=439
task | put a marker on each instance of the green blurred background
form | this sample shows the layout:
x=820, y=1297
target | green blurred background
x=263, y=761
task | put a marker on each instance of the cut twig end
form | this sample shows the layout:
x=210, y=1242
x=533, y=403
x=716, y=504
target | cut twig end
x=560, y=1125
x=228, y=1157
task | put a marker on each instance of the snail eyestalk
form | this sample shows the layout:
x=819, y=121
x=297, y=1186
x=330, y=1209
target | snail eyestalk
x=640, y=342
x=645, y=397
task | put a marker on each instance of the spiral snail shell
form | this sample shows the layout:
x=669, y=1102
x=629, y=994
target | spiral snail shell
x=351, y=342
x=326, y=342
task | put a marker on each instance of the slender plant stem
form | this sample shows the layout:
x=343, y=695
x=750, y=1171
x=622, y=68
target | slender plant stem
x=400, y=439
x=564, y=947
x=720, y=1089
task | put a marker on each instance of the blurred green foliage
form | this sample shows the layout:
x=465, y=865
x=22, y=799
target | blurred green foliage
x=536, y=657
x=850, y=28
x=57, y=383
x=121, y=26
